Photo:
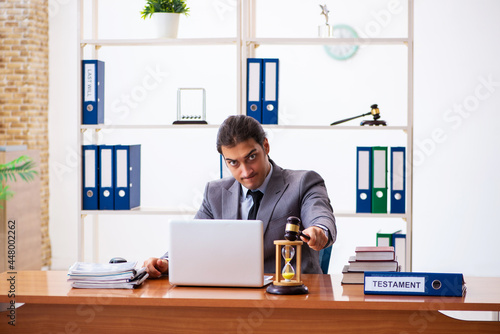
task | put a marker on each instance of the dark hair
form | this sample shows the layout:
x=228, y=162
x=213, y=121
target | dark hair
x=237, y=129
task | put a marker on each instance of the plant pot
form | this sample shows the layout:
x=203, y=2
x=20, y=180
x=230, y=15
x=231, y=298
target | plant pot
x=166, y=25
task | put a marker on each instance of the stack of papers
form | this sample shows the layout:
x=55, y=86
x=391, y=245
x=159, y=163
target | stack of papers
x=106, y=276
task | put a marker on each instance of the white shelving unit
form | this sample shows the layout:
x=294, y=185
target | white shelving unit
x=246, y=43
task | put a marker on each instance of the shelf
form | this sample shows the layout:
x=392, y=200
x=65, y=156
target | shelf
x=234, y=41
x=244, y=44
x=216, y=126
x=328, y=127
x=327, y=41
x=141, y=211
x=369, y=215
x=148, y=126
x=159, y=42
x=174, y=212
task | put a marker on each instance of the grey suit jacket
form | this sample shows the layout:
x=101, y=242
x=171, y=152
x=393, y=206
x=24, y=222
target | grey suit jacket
x=289, y=193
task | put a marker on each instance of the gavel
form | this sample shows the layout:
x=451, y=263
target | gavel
x=292, y=229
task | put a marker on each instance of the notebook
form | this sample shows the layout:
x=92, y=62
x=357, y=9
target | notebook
x=217, y=253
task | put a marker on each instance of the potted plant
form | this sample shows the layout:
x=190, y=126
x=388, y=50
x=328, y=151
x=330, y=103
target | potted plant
x=23, y=167
x=165, y=14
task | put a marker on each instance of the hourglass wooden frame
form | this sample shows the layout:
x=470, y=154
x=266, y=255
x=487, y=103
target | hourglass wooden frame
x=279, y=279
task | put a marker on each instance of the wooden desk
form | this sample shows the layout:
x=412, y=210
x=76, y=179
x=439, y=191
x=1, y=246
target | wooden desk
x=52, y=306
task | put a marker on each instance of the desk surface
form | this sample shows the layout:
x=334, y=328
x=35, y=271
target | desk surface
x=326, y=292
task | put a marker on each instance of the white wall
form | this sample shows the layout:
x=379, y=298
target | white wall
x=457, y=94
x=454, y=179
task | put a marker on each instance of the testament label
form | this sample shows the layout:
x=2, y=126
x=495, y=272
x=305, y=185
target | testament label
x=399, y=284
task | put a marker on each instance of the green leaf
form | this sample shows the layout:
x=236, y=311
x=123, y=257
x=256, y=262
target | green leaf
x=22, y=166
x=164, y=6
x=5, y=193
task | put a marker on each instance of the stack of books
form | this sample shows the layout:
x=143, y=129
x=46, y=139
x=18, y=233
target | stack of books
x=368, y=258
x=106, y=276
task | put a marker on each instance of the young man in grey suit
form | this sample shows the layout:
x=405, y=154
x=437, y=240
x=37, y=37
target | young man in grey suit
x=281, y=192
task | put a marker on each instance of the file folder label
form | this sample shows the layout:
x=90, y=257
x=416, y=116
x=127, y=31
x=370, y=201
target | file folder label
x=254, y=88
x=121, y=169
x=395, y=284
x=90, y=177
x=89, y=79
x=364, y=172
x=364, y=181
x=270, y=80
x=106, y=172
x=379, y=169
x=106, y=169
x=397, y=171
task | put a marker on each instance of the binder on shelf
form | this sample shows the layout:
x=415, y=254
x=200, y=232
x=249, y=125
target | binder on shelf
x=254, y=88
x=127, y=177
x=106, y=178
x=379, y=179
x=270, y=85
x=92, y=91
x=90, y=178
x=385, y=239
x=399, y=243
x=414, y=283
x=364, y=180
x=398, y=180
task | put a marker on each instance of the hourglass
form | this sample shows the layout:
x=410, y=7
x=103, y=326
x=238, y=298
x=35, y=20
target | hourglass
x=288, y=281
x=288, y=272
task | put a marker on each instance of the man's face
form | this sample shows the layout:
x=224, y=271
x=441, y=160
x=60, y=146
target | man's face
x=248, y=162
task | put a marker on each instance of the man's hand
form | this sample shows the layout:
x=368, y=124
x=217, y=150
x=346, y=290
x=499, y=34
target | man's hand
x=318, y=238
x=156, y=267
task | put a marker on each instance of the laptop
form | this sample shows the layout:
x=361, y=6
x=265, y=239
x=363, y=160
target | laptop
x=227, y=253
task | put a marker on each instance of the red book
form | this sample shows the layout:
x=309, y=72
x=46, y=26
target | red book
x=372, y=253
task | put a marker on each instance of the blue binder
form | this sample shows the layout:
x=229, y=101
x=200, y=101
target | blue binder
x=127, y=177
x=92, y=92
x=254, y=88
x=89, y=178
x=364, y=180
x=414, y=284
x=399, y=243
x=398, y=179
x=270, y=84
x=106, y=178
